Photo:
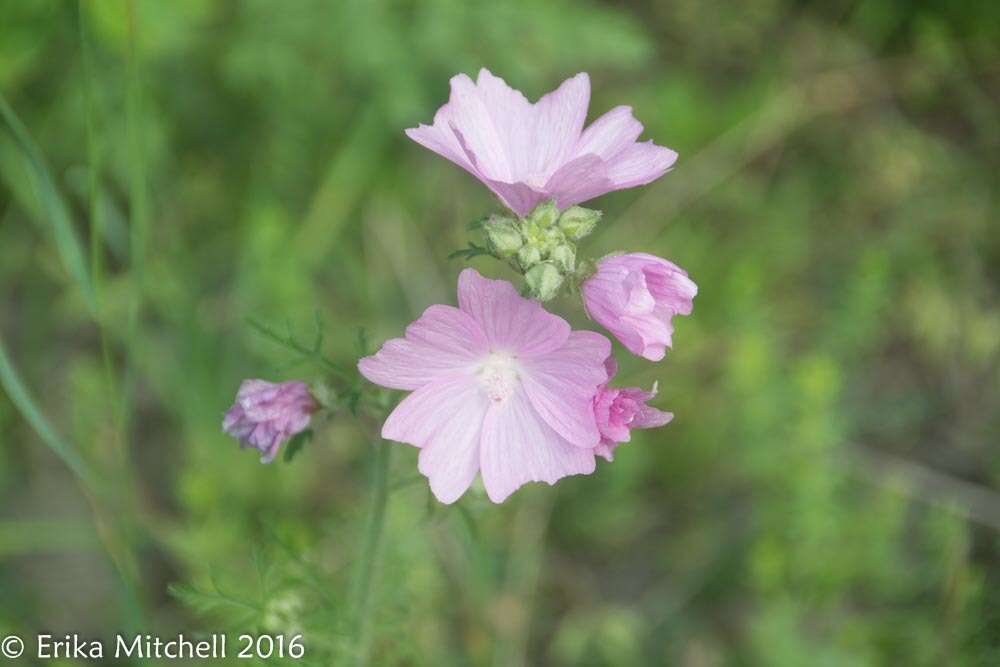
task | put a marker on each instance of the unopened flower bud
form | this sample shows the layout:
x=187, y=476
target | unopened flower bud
x=528, y=256
x=266, y=415
x=564, y=257
x=544, y=281
x=504, y=236
x=545, y=215
x=577, y=221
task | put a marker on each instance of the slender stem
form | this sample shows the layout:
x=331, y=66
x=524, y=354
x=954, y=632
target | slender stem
x=370, y=549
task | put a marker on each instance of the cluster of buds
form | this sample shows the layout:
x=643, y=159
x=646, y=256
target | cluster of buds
x=541, y=245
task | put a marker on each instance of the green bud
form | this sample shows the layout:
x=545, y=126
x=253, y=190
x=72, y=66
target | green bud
x=564, y=257
x=504, y=236
x=544, y=281
x=577, y=221
x=544, y=216
x=528, y=256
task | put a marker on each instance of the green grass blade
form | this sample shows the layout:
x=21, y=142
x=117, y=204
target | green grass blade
x=53, y=206
x=19, y=395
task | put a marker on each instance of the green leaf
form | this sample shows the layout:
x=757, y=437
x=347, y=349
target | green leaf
x=295, y=445
x=468, y=253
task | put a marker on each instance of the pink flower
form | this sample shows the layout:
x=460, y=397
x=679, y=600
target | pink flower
x=618, y=411
x=265, y=414
x=634, y=297
x=528, y=153
x=500, y=387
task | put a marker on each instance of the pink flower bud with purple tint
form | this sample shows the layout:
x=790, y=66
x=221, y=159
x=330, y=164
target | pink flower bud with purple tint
x=619, y=410
x=634, y=296
x=266, y=414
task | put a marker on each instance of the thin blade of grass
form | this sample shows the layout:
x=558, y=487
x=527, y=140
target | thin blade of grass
x=19, y=395
x=54, y=208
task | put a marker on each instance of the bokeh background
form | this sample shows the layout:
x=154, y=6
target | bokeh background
x=828, y=492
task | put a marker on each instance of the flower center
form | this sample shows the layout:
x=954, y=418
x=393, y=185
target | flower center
x=498, y=376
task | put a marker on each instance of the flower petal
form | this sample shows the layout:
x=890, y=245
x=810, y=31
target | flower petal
x=640, y=164
x=511, y=323
x=579, y=180
x=513, y=116
x=559, y=119
x=517, y=447
x=442, y=142
x=442, y=340
x=470, y=114
x=610, y=134
x=451, y=405
x=450, y=459
x=561, y=386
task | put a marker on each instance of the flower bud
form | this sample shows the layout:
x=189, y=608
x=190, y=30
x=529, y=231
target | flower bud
x=528, y=256
x=564, y=256
x=544, y=281
x=655, y=290
x=577, y=221
x=266, y=415
x=504, y=236
x=544, y=216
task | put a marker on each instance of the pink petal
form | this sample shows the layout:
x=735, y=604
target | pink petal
x=610, y=134
x=561, y=386
x=512, y=114
x=559, y=119
x=518, y=447
x=441, y=140
x=469, y=113
x=577, y=181
x=640, y=164
x=451, y=404
x=650, y=417
x=511, y=323
x=443, y=340
x=518, y=197
x=450, y=459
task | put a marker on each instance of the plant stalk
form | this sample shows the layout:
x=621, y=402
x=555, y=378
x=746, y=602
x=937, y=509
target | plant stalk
x=370, y=550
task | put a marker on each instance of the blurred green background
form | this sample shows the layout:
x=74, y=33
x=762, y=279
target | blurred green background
x=828, y=492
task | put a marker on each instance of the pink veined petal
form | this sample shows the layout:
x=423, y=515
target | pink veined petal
x=611, y=366
x=654, y=335
x=604, y=301
x=672, y=289
x=470, y=115
x=450, y=458
x=442, y=340
x=561, y=386
x=650, y=417
x=431, y=137
x=610, y=134
x=559, y=119
x=513, y=116
x=518, y=197
x=640, y=164
x=606, y=450
x=511, y=323
x=420, y=416
x=517, y=447
x=579, y=180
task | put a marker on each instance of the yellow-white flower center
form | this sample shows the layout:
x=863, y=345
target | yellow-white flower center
x=498, y=376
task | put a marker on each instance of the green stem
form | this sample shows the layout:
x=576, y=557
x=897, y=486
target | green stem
x=370, y=549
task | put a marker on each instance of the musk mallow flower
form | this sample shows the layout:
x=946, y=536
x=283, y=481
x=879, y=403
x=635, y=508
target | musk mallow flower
x=634, y=296
x=500, y=387
x=527, y=153
x=619, y=410
x=266, y=414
